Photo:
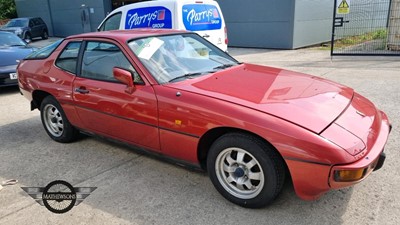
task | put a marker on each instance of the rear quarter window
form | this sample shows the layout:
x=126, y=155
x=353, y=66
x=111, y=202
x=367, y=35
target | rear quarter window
x=68, y=58
x=198, y=17
x=44, y=52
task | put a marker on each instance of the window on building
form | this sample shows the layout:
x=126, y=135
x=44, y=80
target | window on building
x=119, y=3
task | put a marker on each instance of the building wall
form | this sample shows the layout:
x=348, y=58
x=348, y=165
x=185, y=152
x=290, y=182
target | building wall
x=64, y=17
x=259, y=23
x=67, y=15
x=35, y=8
x=312, y=22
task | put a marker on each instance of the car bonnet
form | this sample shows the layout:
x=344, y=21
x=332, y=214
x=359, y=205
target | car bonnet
x=308, y=101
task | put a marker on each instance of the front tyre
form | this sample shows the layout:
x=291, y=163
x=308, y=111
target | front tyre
x=55, y=122
x=245, y=170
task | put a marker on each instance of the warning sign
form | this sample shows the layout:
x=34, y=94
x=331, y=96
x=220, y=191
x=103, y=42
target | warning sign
x=344, y=6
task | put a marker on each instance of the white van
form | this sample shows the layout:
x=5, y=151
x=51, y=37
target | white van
x=201, y=16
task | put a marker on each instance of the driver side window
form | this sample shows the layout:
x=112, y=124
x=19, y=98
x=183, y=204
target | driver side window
x=99, y=59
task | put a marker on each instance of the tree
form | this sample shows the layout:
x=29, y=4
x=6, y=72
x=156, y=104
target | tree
x=7, y=9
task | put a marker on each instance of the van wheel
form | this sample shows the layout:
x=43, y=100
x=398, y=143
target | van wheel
x=245, y=170
x=55, y=122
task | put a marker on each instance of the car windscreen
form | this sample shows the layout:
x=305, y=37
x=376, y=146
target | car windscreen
x=10, y=40
x=173, y=58
x=45, y=51
x=17, y=23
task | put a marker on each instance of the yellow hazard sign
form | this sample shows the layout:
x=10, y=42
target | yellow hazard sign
x=344, y=7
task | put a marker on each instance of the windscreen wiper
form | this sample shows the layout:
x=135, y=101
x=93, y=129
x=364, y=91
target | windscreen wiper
x=224, y=66
x=187, y=75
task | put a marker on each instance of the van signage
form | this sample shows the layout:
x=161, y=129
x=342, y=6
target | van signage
x=197, y=17
x=149, y=17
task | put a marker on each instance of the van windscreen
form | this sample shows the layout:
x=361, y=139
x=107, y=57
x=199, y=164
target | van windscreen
x=198, y=17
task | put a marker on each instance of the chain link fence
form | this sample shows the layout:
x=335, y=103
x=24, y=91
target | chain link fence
x=366, y=27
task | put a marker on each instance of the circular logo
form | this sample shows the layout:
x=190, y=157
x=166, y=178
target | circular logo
x=59, y=196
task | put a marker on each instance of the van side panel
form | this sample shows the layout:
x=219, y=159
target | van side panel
x=148, y=17
x=200, y=17
x=203, y=17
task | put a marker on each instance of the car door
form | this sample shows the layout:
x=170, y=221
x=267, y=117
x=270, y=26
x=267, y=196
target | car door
x=103, y=104
x=35, y=29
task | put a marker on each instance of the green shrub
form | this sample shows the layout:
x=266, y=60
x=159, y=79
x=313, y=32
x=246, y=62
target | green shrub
x=7, y=9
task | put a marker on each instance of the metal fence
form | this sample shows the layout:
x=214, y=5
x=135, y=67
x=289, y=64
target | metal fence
x=366, y=27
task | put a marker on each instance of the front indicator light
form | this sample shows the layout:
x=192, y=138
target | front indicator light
x=349, y=175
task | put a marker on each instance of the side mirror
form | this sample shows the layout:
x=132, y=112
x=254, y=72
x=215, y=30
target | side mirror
x=125, y=77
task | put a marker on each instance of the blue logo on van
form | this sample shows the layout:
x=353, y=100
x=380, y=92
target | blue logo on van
x=149, y=17
x=197, y=17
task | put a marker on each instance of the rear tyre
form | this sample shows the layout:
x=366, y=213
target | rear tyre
x=55, y=122
x=45, y=35
x=245, y=170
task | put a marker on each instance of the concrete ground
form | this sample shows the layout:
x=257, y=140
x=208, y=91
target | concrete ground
x=137, y=189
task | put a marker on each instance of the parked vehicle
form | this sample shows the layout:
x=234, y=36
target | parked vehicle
x=203, y=17
x=175, y=94
x=27, y=28
x=12, y=49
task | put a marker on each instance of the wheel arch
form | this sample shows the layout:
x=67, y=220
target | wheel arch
x=212, y=135
x=37, y=98
x=26, y=33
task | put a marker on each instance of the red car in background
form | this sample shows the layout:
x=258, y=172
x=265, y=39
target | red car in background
x=174, y=94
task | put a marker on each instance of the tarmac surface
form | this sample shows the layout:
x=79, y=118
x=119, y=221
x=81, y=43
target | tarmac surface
x=137, y=189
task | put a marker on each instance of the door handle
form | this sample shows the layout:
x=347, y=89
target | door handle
x=206, y=36
x=81, y=90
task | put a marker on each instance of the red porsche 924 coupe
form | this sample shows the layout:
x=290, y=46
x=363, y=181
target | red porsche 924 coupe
x=174, y=94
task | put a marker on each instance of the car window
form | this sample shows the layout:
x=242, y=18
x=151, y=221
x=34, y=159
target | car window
x=112, y=23
x=99, y=59
x=68, y=58
x=17, y=23
x=9, y=39
x=45, y=51
x=36, y=21
x=31, y=23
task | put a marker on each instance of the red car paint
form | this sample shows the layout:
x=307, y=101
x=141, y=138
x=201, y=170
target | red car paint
x=316, y=125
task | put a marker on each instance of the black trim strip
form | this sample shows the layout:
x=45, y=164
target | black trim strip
x=179, y=132
x=135, y=121
x=306, y=161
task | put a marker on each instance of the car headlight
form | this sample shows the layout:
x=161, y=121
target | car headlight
x=18, y=31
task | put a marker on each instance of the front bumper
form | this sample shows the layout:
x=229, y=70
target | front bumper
x=5, y=79
x=370, y=162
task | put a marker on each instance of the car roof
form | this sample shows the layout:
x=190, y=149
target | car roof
x=26, y=18
x=125, y=35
